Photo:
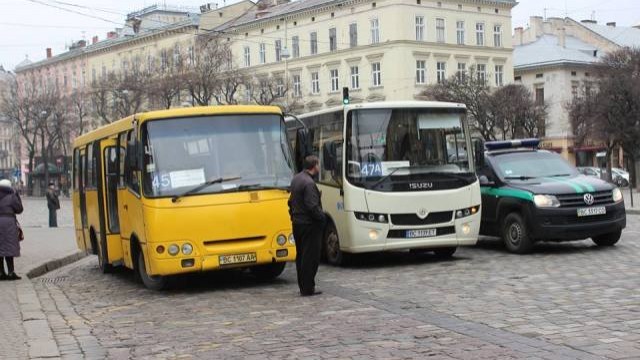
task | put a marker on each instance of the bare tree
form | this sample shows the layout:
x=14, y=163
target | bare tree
x=204, y=71
x=78, y=105
x=103, y=106
x=515, y=112
x=230, y=82
x=473, y=91
x=269, y=90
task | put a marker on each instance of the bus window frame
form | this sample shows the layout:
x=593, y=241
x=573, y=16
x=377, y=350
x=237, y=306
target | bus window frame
x=130, y=173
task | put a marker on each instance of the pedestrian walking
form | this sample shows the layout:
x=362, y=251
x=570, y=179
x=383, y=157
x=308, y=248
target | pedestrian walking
x=308, y=218
x=53, y=203
x=10, y=232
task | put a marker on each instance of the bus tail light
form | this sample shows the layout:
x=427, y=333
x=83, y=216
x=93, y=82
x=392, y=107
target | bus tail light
x=160, y=249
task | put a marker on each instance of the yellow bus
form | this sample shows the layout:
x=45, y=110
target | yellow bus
x=186, y=190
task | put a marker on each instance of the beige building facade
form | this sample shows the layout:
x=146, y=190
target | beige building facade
x=379, y=49
x=8, y=154
x=555, y=59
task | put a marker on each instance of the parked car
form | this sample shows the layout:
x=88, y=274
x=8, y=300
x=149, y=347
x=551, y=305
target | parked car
x=589, y=171
x=621, y=177
x=531, y=195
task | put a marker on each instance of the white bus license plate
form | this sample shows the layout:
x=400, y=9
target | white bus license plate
x=421, y=233
x=599, y=210
x=238, y=259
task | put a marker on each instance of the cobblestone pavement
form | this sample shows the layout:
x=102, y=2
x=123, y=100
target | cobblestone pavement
x=565, y=301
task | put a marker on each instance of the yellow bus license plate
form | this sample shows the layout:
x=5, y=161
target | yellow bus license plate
x=237, y=259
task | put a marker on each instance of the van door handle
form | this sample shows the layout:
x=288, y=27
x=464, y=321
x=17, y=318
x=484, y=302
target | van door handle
x=126, y=207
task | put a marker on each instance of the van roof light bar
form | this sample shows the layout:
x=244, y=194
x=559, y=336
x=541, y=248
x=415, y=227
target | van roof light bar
x=512, y=144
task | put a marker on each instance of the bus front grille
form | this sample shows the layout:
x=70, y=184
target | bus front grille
x=413, y=219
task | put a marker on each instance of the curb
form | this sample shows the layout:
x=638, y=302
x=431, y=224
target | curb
x=55, y=264
x=633, y=211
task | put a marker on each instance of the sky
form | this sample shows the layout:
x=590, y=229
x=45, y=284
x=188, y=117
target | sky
x=28, y=27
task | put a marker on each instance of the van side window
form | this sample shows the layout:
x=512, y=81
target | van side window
x=122, y=144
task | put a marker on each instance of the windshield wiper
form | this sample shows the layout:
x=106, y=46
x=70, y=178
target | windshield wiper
x=260, y=187
x=521, y=177
x=202, y=186
x=453, y=175
x=382, y=179
x=559, y=175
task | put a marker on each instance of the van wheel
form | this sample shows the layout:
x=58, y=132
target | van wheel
x=609, y=239
x=446, y=252
x=268, y=271
x=101, y=251
x=151, y=282
x=515, y=234
x=332, y=251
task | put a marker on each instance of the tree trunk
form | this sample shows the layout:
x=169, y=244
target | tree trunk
x=32, y=155
x=44, y=150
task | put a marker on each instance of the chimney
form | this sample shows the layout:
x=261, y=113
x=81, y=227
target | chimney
x=94, y=40
x=112, y=35
x=562, y=37
x=519, y=36
x=611, y=24
x=49, y=53
x=82, y=43
x=536, y=24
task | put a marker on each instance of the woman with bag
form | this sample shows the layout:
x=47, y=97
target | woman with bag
x=10, y=231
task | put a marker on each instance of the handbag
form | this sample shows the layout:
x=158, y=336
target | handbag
x=20, y=232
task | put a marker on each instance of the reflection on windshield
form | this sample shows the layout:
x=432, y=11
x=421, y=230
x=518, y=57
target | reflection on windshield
x=184, y=153
x=532, y=165
x=405, y=141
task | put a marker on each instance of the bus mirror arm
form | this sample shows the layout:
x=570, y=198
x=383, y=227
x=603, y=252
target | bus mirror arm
x=302, y=124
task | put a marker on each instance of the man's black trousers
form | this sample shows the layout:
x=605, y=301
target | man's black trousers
x=308, y=246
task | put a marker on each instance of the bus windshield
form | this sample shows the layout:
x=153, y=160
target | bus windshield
x=405, y=142
x=251, y=151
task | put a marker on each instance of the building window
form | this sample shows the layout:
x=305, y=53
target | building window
x=517, y=78
x=377, y=74
x=440, y=32
x=192, y=55
x=314, y=43
x=278, y=50
x=462, y=72
x=419, y=28
x=441, y=71
x=540, y=96
x=295, y=46
x=297, y=92
x=539, y=76
x=460, y=32
x=315, y=83
x=355, y=77
x=480, y=34
x=279, y=87
x=497, y=36
x=375, y=31
x=499, y=75
x=333, y=40
x=247, y=56
x=482, y=72
x=263, y=53
x=177, y=57
x=335, y=84
x=94, y=76
x=421, y=69
x=353, y=35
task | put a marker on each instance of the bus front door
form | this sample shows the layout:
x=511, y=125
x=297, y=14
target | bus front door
x=110, y=242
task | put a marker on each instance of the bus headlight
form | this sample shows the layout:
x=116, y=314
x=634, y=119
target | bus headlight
x=546, y=201
x=187, y=249
x=292, y=240
x=379, y=218
x=173, y=250
x=281, y=240
x=617, y=195
x=462, y=213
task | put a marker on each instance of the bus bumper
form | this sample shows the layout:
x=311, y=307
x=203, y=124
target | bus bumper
x=188, y=264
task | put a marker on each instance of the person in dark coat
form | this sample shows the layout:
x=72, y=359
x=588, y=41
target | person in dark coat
x=53, y=203
x=10, y=205
x=308, y=220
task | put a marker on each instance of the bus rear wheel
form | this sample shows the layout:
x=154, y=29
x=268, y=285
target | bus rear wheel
x=332, y=251
x=268, y=271
x=151, y=282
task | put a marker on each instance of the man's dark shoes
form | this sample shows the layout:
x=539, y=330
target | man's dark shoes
x=13, y=276
x=312, y=293
x=3, y=277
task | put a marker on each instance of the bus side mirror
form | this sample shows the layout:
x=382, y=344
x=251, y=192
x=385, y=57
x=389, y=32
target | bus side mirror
x=303, y=147
x=133, y=157
x=478, y=153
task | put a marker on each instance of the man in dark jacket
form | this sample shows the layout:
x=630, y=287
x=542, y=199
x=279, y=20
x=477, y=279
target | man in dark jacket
x=53, y=203
x=308, y=221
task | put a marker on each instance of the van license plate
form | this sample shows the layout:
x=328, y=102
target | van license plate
x=599, y=210
x=421, y=233
x=237, y=259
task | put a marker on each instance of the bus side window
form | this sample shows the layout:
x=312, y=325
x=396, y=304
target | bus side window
x=89, y=167
x=76, y=169
x=131, y=178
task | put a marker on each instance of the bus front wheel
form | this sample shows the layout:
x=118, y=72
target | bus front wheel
x=332, y=251
x=151, y=282
x=268, y=271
